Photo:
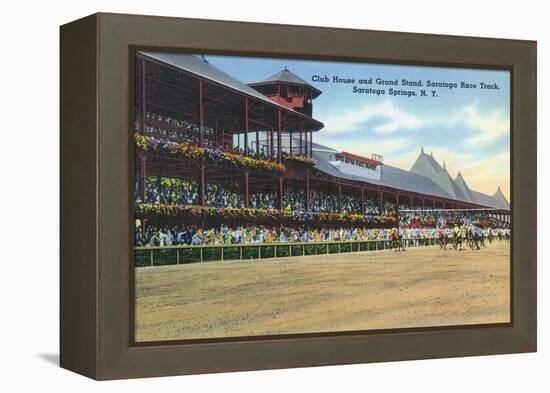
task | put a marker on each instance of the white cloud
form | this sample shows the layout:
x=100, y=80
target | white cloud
x=488, y=127
x=367, y=145
x=351, y=120
x=379, y=146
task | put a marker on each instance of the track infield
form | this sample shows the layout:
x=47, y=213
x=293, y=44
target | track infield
x=421, y=287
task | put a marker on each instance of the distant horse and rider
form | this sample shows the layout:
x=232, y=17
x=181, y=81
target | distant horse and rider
x=396, y=240
x=472, y=239
x=443, y=238
x=471, y=235
x=457, y=238
x=461, y=232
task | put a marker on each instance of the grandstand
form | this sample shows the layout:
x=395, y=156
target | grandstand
x=206, y=140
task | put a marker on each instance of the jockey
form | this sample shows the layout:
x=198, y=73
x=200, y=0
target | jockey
x=456, y=231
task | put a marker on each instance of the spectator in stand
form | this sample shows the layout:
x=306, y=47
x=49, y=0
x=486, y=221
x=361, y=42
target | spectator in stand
x=351, y=204
x=219, y=196
x=170, y=191
x=323, y=202
x=389, y=208
x=371, y=207
x=294, y=200
x=264, y=200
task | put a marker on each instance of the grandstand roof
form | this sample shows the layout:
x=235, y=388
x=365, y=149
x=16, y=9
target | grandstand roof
x=286, y=76
x=390, y=177
x=426, y=165
x=201, y=67
x=463, y=187
x=426, y=177
x=444, y=180
x=499, y=197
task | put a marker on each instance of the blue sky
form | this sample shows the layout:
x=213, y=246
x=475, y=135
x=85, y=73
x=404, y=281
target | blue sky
x=468, y=129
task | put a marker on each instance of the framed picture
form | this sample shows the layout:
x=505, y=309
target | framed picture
x=241, y=196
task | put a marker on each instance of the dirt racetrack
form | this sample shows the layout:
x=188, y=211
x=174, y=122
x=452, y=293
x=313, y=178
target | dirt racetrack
x=423, y=286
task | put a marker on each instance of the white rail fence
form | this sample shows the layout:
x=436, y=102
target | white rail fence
x=175, y=255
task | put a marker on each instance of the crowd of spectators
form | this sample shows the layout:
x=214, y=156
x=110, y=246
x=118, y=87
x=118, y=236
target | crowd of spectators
x=294, y=200
x=186, y=131
x=250, y=234
x=174, y=191
x=218, y=196
x=443, y=219
x=167, y=190
x=323, y=202
x=259, y=234
x=372, y=207
x=351, y=204
x=388, y=208
x=264, y=200
x=417, y=219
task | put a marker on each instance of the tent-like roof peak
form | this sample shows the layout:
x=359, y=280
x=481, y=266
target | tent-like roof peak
x=286, y=76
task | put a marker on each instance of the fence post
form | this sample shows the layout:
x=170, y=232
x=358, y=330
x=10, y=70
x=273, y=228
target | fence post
x=275, y=251
x=222, y=253
x=201, y=253
x=241, y=252
x=152, y=258
x=177, y=256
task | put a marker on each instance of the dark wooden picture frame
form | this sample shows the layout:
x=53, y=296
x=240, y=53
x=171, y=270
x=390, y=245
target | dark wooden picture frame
x=96, y=176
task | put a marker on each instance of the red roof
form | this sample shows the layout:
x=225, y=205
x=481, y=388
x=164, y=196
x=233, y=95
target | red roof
x=355, y=157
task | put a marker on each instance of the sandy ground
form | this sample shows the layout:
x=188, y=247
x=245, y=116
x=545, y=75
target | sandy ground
x=370, y=290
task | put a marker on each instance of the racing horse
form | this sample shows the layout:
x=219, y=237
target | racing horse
x=472, y=238
x=443, y=239
x=480, y=237
x=490, y=235
x=457, y=240
x=396, y=240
